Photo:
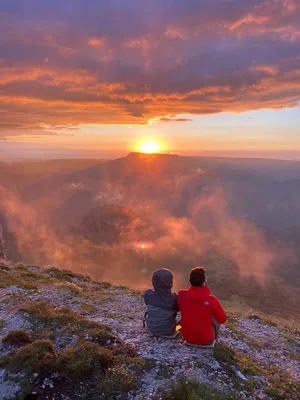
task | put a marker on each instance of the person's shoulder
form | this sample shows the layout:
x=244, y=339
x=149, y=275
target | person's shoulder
x=149, y=292
x=182, y=292
x=174, y=296
x=213, y=299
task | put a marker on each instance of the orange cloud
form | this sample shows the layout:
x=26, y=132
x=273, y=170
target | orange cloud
x=110, y=65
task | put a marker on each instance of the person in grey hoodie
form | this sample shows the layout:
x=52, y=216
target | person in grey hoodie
x=161, y=305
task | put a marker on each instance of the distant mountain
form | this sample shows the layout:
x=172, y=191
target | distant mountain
x=238, y=217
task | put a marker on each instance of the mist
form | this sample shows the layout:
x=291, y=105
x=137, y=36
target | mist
x=120, y=228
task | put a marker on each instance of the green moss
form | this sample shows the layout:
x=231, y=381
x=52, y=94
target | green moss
x=191, y=390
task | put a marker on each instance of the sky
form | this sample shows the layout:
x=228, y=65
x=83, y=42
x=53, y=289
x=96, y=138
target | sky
x=200, y=77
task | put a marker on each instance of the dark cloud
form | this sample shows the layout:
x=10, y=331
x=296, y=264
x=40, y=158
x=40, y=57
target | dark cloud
x=129, y=62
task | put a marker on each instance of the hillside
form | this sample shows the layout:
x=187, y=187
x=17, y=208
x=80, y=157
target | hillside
x=65, y=336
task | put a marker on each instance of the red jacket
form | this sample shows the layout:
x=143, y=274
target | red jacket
x=198, y=307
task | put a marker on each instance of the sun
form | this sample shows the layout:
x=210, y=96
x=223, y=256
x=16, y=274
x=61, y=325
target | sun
x=149, y=147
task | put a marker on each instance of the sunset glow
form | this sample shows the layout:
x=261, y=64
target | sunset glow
x=149, y=147
x=84, y=87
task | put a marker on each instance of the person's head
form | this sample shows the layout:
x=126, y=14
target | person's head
x=198, y=277
x=162, y=280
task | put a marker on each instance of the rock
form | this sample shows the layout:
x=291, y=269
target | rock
x=240, y=375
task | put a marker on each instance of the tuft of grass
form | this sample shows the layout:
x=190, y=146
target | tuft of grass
x=72, y=289
x=15, y=277
x=279, y=380
x=262, y=320
x=84, y=359
x=295, y=356
x=2, y=324
x=118, y=382
x=35, y=358
x=273, y=393
x=86, y=370
x=254, y=317
x=89, y=308
x=17, y=338
x=191, y=390
x=232, y=360
x=149, y=364
x=100, y=334
x=165, y=371
x=66, y=275
x=104, y=285
x=43, y=317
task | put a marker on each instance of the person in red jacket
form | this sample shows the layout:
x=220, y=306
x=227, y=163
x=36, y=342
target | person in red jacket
x=201, y=312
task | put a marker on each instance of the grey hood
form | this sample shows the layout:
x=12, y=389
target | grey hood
x=162, y=280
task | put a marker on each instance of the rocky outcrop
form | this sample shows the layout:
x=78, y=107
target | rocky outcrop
x=256, y=358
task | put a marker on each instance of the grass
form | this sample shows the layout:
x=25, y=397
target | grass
x=37, y=357
x=89, y=308
x=17, y=338
x=279, y=380
x=66, y=275
x=16, y=277
x=165, y=371
x=228, y=357
x=105, y=374
x=84, y=359
x=118, y=380
x=191, y=390
x=2, y=324
x=262, y=320
x=64, y=322
x=108, y=368
x=273, y=393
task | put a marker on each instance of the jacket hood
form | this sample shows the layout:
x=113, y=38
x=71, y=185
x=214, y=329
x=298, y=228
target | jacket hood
x=199, y=293
x=162, y=280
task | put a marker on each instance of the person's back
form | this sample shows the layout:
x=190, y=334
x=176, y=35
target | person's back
x=161, y=304
x=201, y=312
